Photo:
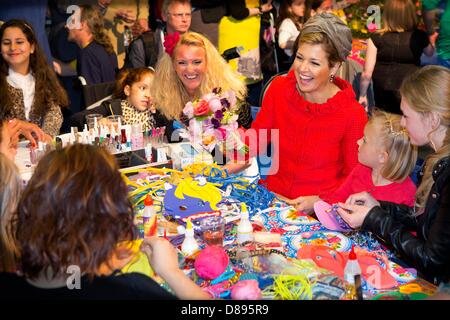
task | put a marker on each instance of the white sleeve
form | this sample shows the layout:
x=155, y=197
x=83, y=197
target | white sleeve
x=287, y=31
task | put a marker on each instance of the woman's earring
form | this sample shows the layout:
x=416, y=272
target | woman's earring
x=332, y=78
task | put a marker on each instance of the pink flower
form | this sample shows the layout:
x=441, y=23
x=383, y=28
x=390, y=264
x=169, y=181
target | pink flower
x=231, y=97
x=189, y=110
x=214, y=104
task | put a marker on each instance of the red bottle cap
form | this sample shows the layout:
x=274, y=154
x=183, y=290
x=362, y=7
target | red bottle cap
x=148, y=201
x=352, y=255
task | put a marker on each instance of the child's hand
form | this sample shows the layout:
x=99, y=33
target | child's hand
x=161, y=254
x=354, y=215
x=362, y=198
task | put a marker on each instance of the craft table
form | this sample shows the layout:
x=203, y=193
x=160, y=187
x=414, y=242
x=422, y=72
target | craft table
x=298, y=229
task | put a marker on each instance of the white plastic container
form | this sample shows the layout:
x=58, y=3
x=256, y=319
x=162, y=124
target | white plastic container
x=189, y=245
x=245, y=228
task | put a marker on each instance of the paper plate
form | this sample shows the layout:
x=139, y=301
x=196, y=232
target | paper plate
x=334, y=240
x=331, y=220
x=292, y=216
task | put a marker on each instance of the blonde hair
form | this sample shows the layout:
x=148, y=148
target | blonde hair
x=428, y=90
x=95, y=23
x=168, y=92
x=402, y=155
x=398, y=16
x=10, y=189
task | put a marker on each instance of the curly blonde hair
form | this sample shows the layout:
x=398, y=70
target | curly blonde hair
x=428, y=90
x=10, y=190
x=168, y=91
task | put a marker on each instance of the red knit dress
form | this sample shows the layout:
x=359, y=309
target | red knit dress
x=316, y=149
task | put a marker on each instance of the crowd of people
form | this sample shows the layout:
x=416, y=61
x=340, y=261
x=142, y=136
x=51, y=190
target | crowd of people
x=329, y=145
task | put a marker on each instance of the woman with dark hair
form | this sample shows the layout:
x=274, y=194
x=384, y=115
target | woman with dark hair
x=29, y=88
x=73, y=214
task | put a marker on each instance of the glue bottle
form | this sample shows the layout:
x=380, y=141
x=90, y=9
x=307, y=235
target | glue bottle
x=245, y=228
x=189, y=245
x=352, y=277
x=149, y=217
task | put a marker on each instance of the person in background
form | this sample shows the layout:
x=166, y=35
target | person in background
x=290, y=22
x=145, y=50
x=393, y=52
x=82, y=224
x=441, y=39
x=34, y=12
x=316, y=115
x=425, y=105
x=190, y=69
x=206, y=15
x=132, y=100
x=386, y=158
x=10, y=189
x=96, y=59
x=29, y=88
x=244, y=15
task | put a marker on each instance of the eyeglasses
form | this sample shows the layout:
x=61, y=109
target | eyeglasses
x=180, y=15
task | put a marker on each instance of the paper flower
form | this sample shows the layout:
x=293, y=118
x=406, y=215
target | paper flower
x=170, y=41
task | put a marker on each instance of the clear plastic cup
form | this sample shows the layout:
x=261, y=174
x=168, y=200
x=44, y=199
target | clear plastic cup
x=213, y=229
x=92, y=118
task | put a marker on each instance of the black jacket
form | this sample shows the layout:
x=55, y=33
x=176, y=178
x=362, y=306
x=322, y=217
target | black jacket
x=429, y=251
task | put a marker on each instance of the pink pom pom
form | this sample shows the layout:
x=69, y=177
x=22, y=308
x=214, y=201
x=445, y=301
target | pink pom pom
x=211, y=262
x=246, y=290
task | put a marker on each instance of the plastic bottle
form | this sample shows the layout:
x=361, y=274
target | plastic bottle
x=149, y=217
x=352, y=272
x=189, y=245
x=245, y=228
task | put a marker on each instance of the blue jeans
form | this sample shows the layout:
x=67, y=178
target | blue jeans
x=444, y=62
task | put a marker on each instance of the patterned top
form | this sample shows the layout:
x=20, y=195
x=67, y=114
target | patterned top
x=50, y=123
x=133, y=116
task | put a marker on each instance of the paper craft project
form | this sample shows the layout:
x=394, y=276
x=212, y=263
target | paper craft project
x=328, y=216
x=375, y=275
x=191, y=196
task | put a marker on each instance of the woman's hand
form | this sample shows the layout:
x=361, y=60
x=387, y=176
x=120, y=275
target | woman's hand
x=303, y=203
x=362, y=198
x=27, y=129
x=354, y=215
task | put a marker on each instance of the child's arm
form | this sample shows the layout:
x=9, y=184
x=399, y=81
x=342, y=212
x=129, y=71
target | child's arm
x=164, y=260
